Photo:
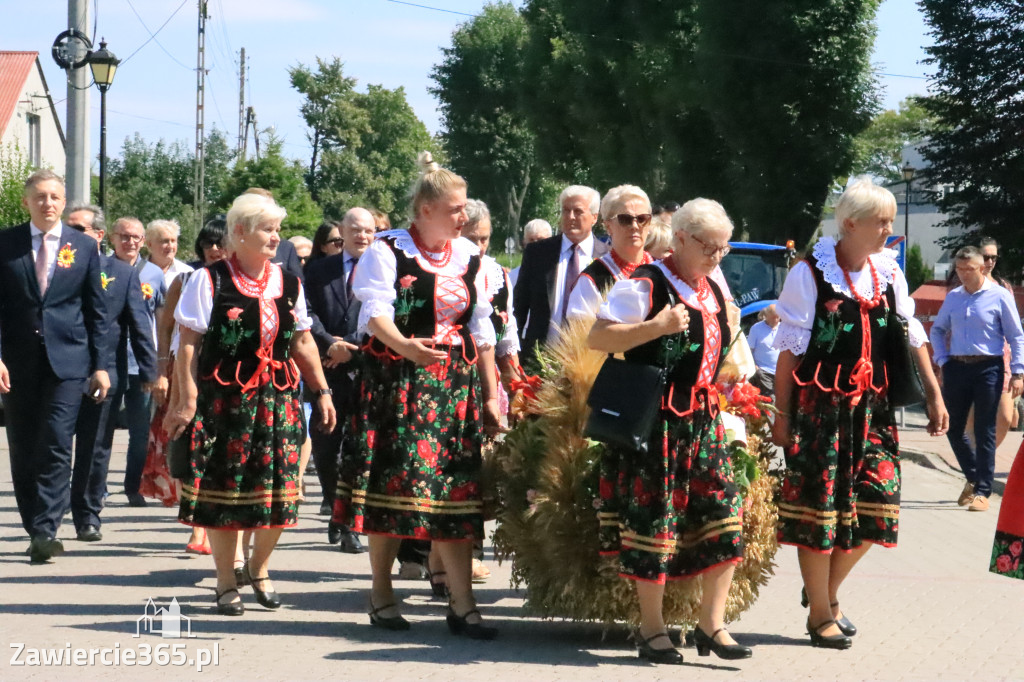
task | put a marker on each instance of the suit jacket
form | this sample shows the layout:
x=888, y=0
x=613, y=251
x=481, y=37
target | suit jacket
x=534, y=292
x=329, y=302
x=128, y=319
x=288, y=259
x=70, y=319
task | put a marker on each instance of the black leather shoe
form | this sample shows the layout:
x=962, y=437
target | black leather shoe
x=644, y=650
x=268, y=599
x=438, y=584
x=137, y=500
x=333, y=533
x=231, y=608
x=396, y=623
x=827, y=642
x=241, y=576
x=458, y=625
x=845, y=626
x=43, y=548
x=90, y=533
x=706, y=644
x=350, y=543
x=326, y=509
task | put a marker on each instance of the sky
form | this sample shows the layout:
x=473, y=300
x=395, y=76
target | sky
x=380, y=41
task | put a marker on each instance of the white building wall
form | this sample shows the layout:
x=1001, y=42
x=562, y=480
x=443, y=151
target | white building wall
x=34, y=101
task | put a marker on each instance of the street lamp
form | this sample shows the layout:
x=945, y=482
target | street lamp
x=908, y=177
x=103, y=64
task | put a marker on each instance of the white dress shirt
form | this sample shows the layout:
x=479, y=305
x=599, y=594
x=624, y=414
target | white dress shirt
x=586, y=256
x=52, y=246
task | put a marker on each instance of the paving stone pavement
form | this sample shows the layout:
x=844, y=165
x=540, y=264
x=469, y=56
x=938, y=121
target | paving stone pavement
x=927, y=610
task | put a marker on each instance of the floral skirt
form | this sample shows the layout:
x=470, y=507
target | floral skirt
x=674, y=511
x=842, y=481
x=157, y=482
x=415, y=472
x=1008, y=547
x=244, y=458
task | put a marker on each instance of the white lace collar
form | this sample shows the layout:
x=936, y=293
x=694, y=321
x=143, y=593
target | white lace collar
x=462, y=251
x=686, y=292
x=885, y=265
x=494, y=275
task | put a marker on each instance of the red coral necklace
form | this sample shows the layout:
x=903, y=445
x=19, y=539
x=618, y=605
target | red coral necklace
x=876, y=298
x=250, y=286
x=446, y=252
x=701, y=289
x=628, y=268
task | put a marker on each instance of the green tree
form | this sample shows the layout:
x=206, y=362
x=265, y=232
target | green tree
x=285, y=180
x=14, y=169
x=976, y=153
x=877, y=151
x=918, y=272
x=151, y=181
x=487, y=136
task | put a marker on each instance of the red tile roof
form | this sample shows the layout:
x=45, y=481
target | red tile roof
x=15, y=68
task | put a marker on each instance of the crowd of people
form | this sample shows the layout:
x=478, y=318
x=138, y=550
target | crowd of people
x=387, y=358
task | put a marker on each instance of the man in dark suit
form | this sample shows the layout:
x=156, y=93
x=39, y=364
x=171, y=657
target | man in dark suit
x=54, y=349
x=94, y=434
x=550, y=268
x=329, y=291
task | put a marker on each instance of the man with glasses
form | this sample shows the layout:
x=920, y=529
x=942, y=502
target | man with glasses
x=974, y=321
x=126, y=237
x=127, y=315
x=53, y=345
x=550, y=268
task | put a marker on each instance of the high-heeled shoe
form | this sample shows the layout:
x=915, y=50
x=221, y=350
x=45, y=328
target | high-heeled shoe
x=845, y=626
x=396, y=623
x=706, y=644
x=241, y=576
x=438, y=587
x=644, y=650
x=839, y=641
x=458, y=625
x=268, y=598
x=231, y=608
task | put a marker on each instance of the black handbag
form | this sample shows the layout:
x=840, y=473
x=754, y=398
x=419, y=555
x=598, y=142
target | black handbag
x=905, y=387
x=624, y=402
x=178, y=457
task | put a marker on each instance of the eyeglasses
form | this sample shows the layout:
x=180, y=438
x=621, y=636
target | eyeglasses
x=130, y=238
x=710, y=250
x=337, y=241
x=625, y=219
x=80, y=228
x=991, y=258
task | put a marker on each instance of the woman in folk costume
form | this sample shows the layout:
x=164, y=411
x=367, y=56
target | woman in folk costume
x=1008, y=547
x=243, y=325
x=673, y=512
x=427, y=399
x=841, y=490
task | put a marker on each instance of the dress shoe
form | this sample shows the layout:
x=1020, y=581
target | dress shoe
x=241, y=576
x=350, y=543
x=839, y=641
x=845, y=626
x=43, y=548
x=966, y=495
x=90, y=533
x=231, y=608
x=269, y=599
x=137, y=500
x=438, y=584
x=396, y=623
x=326, y=509
x=458, y=625
x=334, y=533
x=707, y=643
x=669, y=656
x=978, y=504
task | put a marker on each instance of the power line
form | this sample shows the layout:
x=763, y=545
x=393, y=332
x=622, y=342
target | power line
x=436, y=9
x=152, y=36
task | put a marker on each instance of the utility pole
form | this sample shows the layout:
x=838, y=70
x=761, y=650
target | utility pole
x=199, y=197
x=250, y=119
x=77, y=169
x=241, y=103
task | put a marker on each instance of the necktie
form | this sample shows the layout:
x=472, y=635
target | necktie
x=572, y=272
x=41, y=265
x=348, y=280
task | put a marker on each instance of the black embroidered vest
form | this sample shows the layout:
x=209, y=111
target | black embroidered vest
x=600, y=274
x=836, y=339
x=680, y=354
x=232, y=348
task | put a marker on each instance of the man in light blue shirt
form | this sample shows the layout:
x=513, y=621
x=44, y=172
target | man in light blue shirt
x=967, y=338
x=762, y=339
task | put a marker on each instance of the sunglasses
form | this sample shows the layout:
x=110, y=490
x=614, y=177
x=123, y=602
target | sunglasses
x=80, y=228
x=626, y=220
x=991, y=258
x=711, y=250
x=337, y=241
x=210, y=243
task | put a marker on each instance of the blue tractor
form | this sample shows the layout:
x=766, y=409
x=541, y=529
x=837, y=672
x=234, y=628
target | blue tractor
x=756, y=273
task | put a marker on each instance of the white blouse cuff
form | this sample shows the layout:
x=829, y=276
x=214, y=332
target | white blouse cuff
x=915, y=333
x=507, y=346
x=372, y=308
x=628, y=302
x=792, y=338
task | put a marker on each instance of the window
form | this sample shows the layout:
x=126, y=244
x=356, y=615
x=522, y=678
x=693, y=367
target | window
x=35, y=138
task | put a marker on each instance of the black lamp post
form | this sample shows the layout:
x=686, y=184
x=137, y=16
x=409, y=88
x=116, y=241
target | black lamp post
x=103, y=64
x=908, y=177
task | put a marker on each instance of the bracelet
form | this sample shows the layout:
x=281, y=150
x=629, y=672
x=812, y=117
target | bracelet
x=163, y=358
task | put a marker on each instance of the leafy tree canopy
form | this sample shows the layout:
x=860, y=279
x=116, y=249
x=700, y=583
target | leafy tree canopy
x=14, y=169
x=877, y=150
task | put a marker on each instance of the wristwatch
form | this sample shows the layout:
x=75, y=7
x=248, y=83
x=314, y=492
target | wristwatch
x=325, y=391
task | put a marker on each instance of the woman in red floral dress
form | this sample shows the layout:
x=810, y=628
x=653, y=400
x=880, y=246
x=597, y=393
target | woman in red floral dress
x=841, y=490
x=426, y=399
x=244, y=339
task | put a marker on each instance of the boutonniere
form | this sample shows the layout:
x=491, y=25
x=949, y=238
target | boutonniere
x=66, y=256
x=104, y=280
x=147, y=290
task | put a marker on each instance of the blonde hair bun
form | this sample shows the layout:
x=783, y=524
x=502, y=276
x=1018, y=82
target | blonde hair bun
x=426, y=163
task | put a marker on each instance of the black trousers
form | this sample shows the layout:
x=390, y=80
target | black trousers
x=40, y=412
x=94, y=438
x=327, y=448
